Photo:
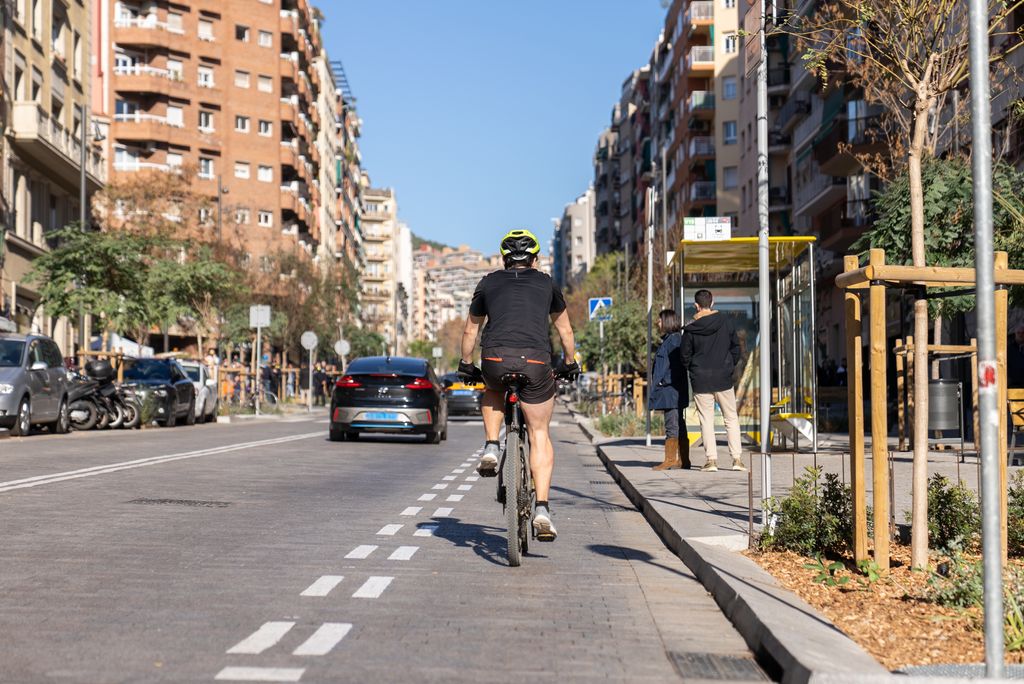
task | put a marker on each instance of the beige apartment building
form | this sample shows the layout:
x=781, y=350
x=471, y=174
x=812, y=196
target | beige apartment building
x=240, y=90
x=46, y=84
x=388, y=295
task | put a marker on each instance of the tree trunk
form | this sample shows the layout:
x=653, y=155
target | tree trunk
x=919, y=487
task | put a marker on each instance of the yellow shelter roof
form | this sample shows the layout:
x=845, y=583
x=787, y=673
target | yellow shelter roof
x=738, y=255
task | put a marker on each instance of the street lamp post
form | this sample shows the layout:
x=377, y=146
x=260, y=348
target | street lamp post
x=221, y=191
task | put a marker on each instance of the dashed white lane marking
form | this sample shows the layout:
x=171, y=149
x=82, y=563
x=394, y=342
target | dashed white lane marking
x=425, y=531
x=443, y=512
x=40, y=480
x=455, y=498
x=323, y=586
x=361, y=551
x=262, y=639
x=440, y=486
x=472, y=478
x=260, y=674
x=403, y=553
x=427, y=497
x=449, y=478
x=389, y=530
x=459, y=471
x=324, y=639
x=465, y=488
x=373, y=587
x=412, y=510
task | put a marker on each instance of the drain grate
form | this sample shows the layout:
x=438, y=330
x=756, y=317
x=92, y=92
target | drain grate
x=593, y=465
x=718, y=668
x=607, y=483
x=181, y=502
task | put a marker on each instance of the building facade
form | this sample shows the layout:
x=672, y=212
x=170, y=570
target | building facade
x=46, y=86
x=387, y=293
x=574, y=246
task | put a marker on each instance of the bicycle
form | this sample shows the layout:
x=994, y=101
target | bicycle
x=515, y=487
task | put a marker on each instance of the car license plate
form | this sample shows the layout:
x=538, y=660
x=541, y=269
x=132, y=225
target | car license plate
x=462, y=393
x=381, y=415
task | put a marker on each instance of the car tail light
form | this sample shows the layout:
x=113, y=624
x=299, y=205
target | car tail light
x=347, y=382
x=420, y=384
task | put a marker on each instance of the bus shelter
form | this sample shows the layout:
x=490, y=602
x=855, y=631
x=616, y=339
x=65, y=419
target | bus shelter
x=729, y=269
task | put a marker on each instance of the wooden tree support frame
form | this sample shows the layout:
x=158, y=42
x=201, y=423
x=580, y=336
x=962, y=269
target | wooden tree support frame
x=875, y=277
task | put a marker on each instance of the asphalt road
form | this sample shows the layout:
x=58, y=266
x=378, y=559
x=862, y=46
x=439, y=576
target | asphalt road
x=263, y=552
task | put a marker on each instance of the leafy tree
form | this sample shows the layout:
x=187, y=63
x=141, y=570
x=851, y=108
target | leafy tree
x=423, y=349
x=625, y=338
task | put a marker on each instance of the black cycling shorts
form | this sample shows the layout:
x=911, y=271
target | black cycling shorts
x=535, y=365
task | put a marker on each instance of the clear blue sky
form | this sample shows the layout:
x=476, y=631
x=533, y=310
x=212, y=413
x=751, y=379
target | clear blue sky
x=483, y=115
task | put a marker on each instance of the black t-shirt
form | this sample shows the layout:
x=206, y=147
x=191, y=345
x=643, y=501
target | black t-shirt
x=518, y=304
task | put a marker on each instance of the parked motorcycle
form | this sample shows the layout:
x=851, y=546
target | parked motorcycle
x=117, y=406
x=82, y=407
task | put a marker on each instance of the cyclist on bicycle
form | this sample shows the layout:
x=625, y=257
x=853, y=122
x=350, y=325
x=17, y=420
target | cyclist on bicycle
x=517, y=303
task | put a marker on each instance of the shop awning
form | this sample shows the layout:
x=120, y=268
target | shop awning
x=739, y=255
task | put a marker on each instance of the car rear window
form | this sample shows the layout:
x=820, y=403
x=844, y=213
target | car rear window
x=142, y=369
x=391, y=366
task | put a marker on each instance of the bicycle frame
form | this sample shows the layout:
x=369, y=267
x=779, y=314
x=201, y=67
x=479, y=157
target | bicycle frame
x=515, y=493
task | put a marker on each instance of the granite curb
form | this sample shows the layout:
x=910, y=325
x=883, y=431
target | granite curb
x=777, y=625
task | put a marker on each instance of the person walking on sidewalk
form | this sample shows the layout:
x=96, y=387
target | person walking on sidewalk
x=710, y=352
x=670, y=392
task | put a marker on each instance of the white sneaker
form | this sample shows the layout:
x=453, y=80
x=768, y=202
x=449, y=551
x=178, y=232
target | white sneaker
x=488, y=465
x=543, y=528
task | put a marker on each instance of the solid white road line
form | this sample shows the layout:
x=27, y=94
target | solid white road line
x=40, y=480
x=425, y=531
x=323, y=586
x=412, y=510
x=455, y=498
x=449, y=478
x=389, y=530
x=260, y=674
x=465, y=488
x=427, y=497
x=443, y=512
x=373, y=587
x=403, y=553
x=262, y=639
x=459, y=471
x=324, y=639
x=361, y=551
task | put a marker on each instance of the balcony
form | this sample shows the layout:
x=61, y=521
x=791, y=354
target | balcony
x=141, y=126
x=290, y=109
x=702, y=191
x=699, y=15
x=136, y=166
x=702, y=146
x=818, y=192
x=145, y=31
x=700, y=60
x=778, y=77
x=665, y=66
x=289, y=23
x=778, y=199
x=796, y=107
x=141, y=78
x=52, y=147
x=778, y=143
x=289, y=67
x=836, y=149
x=701, y=104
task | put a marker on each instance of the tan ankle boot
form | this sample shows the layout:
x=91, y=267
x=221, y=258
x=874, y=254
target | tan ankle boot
x=684, y=452
x=671, y=455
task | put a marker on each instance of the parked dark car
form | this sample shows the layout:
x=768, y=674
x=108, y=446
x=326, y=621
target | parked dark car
x=389, y=395
x=33, y=384
x=464, y=398
x=163, y=384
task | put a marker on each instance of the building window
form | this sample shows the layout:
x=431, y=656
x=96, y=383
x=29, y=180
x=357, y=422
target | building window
x=266, y=218
x=729, y=88
x=76, y=46
x=241, y=169
x=174, y=24
x=205, y=120
x=730, y=177
x=242, y=124
x=206, y=169
x=205, y=216
x=729, y=4
x=265, y=84
x=242, y=33
x=242, y=217
x=174, y=159
x=266, y=39
x=265, y=174
x=174, y=70
x=205, y=30
x=266, y=127
x=241, y=78
x=729, y=132
x=731, y=43
x=37, y=20
x=205, y=76
x=175, y=116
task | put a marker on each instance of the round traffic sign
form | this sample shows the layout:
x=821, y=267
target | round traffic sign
x=342, y=347
x=308, y=340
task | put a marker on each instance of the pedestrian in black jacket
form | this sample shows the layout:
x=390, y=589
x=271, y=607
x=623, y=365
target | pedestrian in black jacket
x=670, y=392
x=710, y=352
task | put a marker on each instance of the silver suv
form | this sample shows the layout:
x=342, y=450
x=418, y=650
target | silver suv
x=33, y=384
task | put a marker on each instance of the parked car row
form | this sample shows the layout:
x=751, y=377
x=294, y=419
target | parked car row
x=37, y=390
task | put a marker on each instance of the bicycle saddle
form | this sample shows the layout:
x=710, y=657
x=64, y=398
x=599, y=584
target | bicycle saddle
x=514, y=379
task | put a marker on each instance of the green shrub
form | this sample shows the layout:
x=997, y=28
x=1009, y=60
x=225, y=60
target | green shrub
x=953, y=515
x=630, y=425
x=1015, y=515
x=816, y=517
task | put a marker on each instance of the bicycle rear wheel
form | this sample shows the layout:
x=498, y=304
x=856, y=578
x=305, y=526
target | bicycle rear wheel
x=512, y=475
x=525, y=496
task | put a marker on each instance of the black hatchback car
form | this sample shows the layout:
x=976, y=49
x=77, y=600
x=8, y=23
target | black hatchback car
x=164, y=383
x=389, y=394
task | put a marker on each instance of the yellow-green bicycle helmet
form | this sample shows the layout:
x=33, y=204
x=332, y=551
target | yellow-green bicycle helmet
x=519, y=245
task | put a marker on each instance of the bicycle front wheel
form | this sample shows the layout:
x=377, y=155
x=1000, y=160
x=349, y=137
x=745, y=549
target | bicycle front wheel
x=513, y=480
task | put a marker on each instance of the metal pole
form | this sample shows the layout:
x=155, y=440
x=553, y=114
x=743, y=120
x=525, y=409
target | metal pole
x=814, y=350
x=651, y=195
x=604, y=369
x=220, y=193
x=664, y=213
x=988, y=375
x=259, y=368
x=764, y=303
x=309, y=395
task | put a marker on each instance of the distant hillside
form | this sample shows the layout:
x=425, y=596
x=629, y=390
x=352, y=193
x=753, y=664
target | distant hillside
x=434, y=244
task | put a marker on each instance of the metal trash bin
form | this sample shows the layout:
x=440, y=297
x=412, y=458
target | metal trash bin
x=944, y=404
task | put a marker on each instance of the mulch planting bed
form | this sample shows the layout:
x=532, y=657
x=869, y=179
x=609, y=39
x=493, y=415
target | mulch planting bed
x=891, y=617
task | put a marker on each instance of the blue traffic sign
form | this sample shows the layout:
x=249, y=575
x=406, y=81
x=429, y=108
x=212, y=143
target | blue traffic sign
x=600, y=308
